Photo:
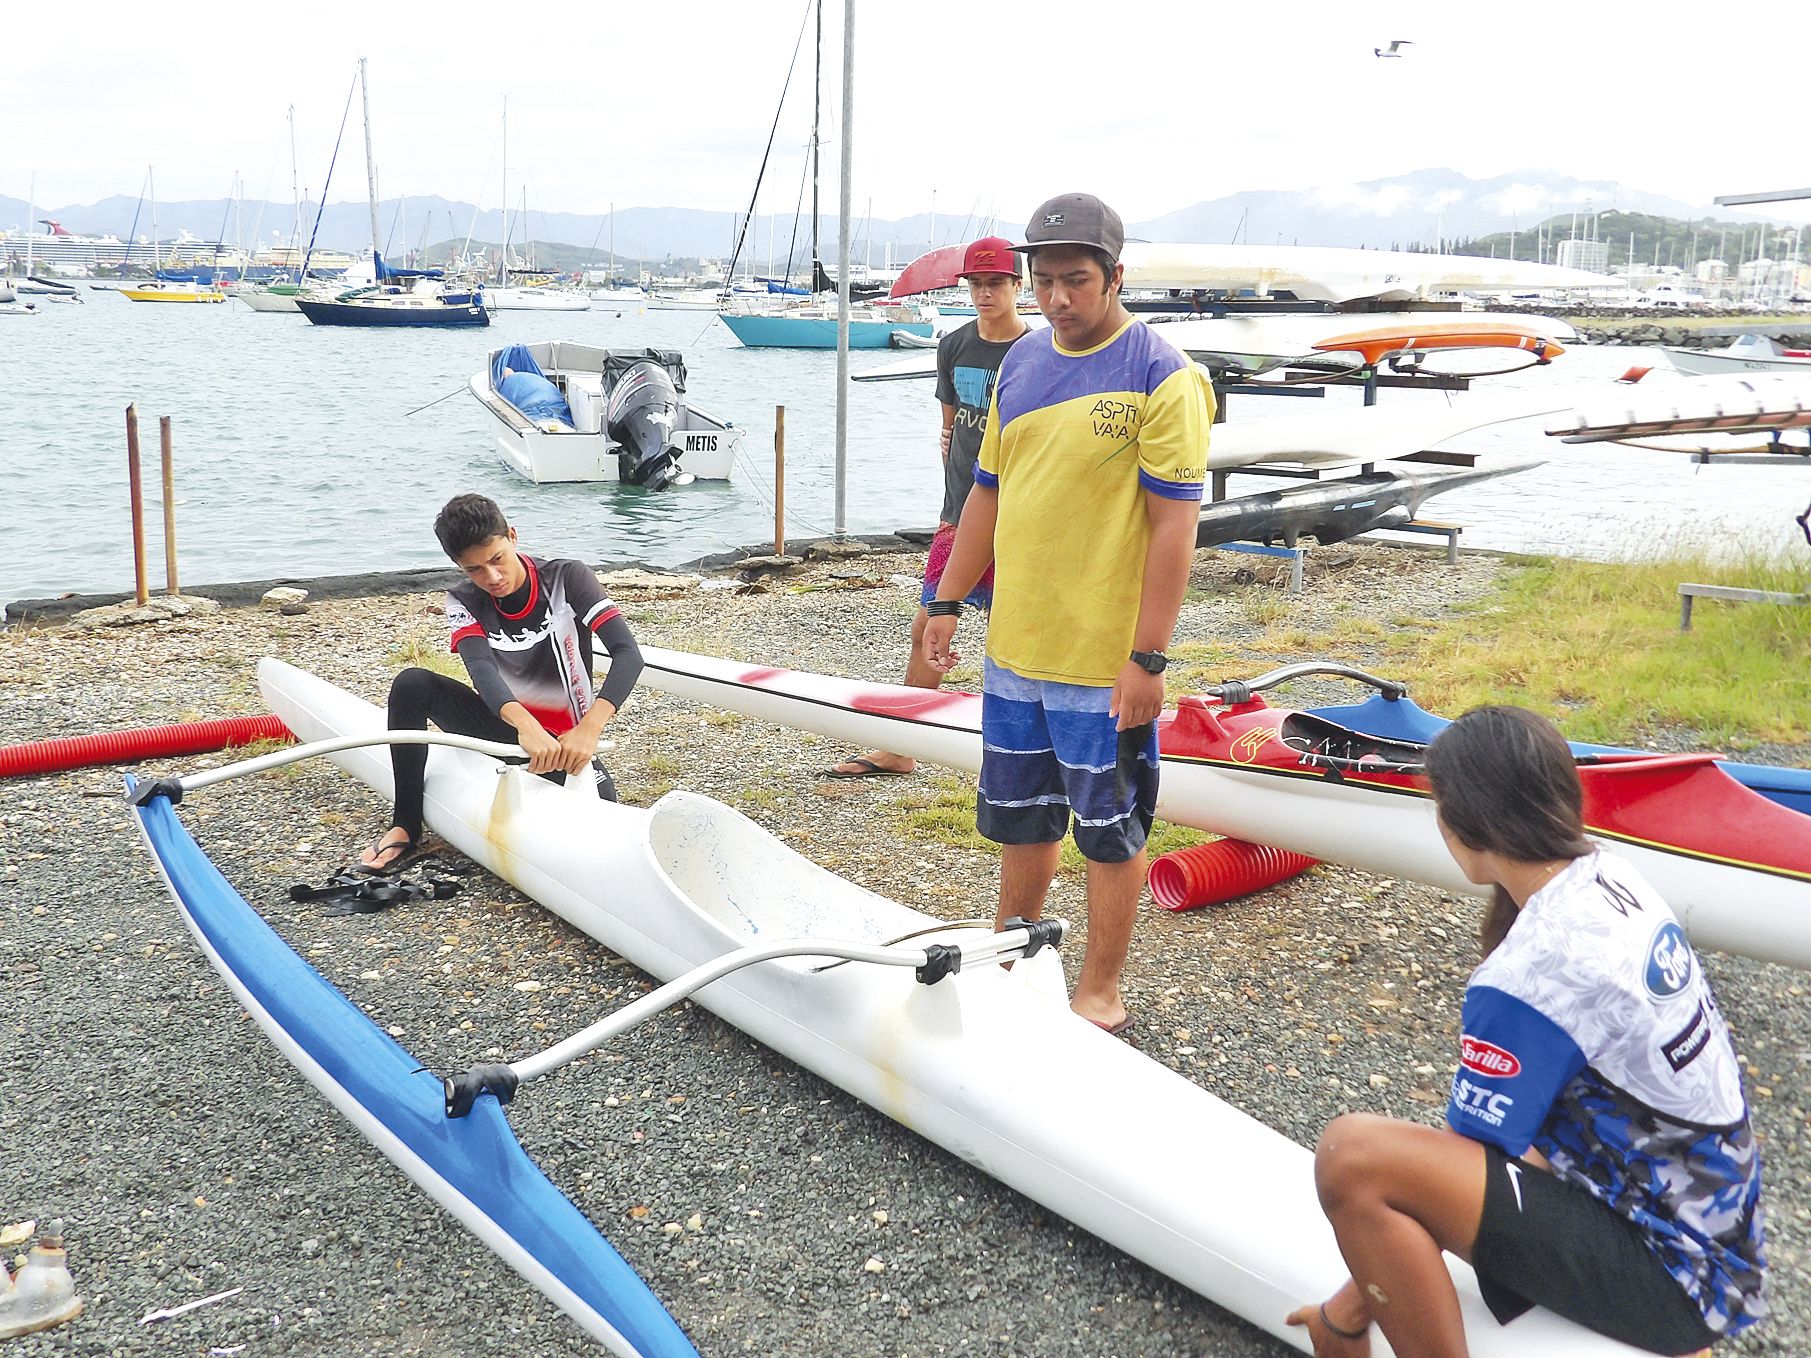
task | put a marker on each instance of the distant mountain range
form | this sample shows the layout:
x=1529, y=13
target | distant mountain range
x=1419, y=209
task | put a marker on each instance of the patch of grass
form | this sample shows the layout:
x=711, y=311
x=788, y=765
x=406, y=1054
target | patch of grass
x=762, y=797
x=1264, y=606
x=1598, y=647
x=427, y=655
x=722, y=717
x=942, y=808
x=663, y=764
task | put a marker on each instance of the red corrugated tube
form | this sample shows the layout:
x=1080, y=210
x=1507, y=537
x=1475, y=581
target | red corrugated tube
x=1221, y=870
x=147, y=742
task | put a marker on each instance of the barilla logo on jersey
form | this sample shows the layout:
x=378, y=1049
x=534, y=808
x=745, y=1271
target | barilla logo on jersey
x=1669, y=962
x=1488, y=1059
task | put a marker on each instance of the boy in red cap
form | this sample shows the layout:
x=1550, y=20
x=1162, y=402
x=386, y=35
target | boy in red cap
x=968, y=360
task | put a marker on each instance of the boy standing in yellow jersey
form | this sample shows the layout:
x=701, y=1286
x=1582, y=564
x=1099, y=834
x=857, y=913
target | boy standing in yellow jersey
x=1086, y=497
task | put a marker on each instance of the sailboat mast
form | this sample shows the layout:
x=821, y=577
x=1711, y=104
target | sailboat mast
x=503, y=250
x=817, y=100
x=295, y=195
x=364, y=90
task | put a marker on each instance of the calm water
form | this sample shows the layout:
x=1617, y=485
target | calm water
x=297, y=454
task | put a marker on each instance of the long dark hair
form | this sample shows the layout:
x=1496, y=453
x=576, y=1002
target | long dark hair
x=1505, y=782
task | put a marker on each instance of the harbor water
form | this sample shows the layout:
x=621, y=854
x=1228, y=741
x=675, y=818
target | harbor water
x=303, y=450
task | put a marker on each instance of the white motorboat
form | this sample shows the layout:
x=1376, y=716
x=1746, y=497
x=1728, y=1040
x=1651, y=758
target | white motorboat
x=1749, y=353
x=511, y=298
x=689, y=299
x=573, y=412
x=1075, y=1119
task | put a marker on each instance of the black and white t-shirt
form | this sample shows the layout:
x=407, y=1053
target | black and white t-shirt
x=966, y=368
x=543, y=651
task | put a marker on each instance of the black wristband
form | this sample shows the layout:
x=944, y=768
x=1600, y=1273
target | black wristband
x=1343, y=1334
x=943, y=608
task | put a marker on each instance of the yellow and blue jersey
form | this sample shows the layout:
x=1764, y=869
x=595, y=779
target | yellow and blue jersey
x=1074, y=443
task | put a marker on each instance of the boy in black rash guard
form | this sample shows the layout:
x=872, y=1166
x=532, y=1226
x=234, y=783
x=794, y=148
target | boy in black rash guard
x=524, y=629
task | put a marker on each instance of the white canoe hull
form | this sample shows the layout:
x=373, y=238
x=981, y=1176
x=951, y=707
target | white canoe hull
x=1335, y=274
x=1722, y=904
x=1729, y=403
x=1262, y=336
x=1076, y=1120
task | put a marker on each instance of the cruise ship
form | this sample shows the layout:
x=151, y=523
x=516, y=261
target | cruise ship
x=57, y=250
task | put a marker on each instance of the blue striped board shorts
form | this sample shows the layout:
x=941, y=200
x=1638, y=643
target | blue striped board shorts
x=1048, y=753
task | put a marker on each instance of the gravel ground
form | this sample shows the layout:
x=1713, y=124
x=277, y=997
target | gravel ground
x=768, y=1210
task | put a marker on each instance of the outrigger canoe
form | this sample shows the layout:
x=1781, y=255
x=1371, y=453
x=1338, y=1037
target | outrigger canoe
x=989, y=1064
x=1734, y=865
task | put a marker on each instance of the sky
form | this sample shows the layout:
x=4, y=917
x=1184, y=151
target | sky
x=962, y=107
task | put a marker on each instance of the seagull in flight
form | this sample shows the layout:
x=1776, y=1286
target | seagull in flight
x=1392, y=49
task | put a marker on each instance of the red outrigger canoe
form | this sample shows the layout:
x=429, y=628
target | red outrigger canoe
x=1734, y=865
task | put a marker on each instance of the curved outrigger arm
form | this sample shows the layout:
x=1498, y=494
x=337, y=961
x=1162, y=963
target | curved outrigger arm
x=932, y=962
x=174, y=788
x=1232, y=691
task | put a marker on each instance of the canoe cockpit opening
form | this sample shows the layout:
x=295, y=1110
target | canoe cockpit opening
x=753, y=885
x=1322, y=744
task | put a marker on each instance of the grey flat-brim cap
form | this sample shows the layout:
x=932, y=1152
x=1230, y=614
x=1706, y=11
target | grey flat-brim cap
x=1075, y=219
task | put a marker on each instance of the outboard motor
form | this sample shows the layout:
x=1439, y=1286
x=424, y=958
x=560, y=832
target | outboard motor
x=644, y=406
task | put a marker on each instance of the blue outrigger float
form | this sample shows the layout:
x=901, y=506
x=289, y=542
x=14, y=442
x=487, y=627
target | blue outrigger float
x=471, y=1165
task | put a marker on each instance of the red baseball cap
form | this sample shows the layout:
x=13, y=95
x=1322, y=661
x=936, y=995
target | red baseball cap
x=990, y=254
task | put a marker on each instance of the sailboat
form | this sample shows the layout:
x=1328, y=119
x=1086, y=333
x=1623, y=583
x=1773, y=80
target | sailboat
x=614, y=289
x=813, y=323
x=533, y=296
x=280, y=294
x=159, y=288
x=414, y=298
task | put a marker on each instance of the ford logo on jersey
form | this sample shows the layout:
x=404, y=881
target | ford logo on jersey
x=1669, y=962
x=1488, y=1059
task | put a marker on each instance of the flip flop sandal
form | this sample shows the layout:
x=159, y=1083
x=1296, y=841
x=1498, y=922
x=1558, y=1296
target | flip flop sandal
x=869, y=769
x=402, y=855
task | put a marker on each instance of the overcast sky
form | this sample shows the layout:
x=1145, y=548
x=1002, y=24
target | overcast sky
x=1153, y=104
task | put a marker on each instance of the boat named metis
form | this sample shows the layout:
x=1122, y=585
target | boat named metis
x=572, y=412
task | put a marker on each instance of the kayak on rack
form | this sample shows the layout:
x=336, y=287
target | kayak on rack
x=1076, y=1120
x=473, y=1167
x=1734, y=865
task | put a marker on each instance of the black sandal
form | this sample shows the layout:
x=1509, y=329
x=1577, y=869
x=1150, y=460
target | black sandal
x=402, y=854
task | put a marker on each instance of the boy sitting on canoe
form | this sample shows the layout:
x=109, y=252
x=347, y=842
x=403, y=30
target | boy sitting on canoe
x=524, y=628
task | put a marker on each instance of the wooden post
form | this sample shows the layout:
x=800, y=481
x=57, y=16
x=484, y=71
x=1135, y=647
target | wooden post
x=138, y=506
x=169, y=508
x=779, y=480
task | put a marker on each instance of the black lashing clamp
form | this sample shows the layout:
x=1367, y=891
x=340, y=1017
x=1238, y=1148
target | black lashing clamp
x=462, y=1091
x=1044, y=933
x=146, y=792
x=940, y=960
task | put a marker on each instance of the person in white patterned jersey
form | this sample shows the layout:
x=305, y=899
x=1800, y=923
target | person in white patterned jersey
x=1598, y=1157
x=525, y=629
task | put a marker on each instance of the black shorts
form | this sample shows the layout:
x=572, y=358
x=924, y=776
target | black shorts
x=1545, y=1242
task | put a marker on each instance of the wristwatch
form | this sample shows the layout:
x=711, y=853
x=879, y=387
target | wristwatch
x=1153, y=661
